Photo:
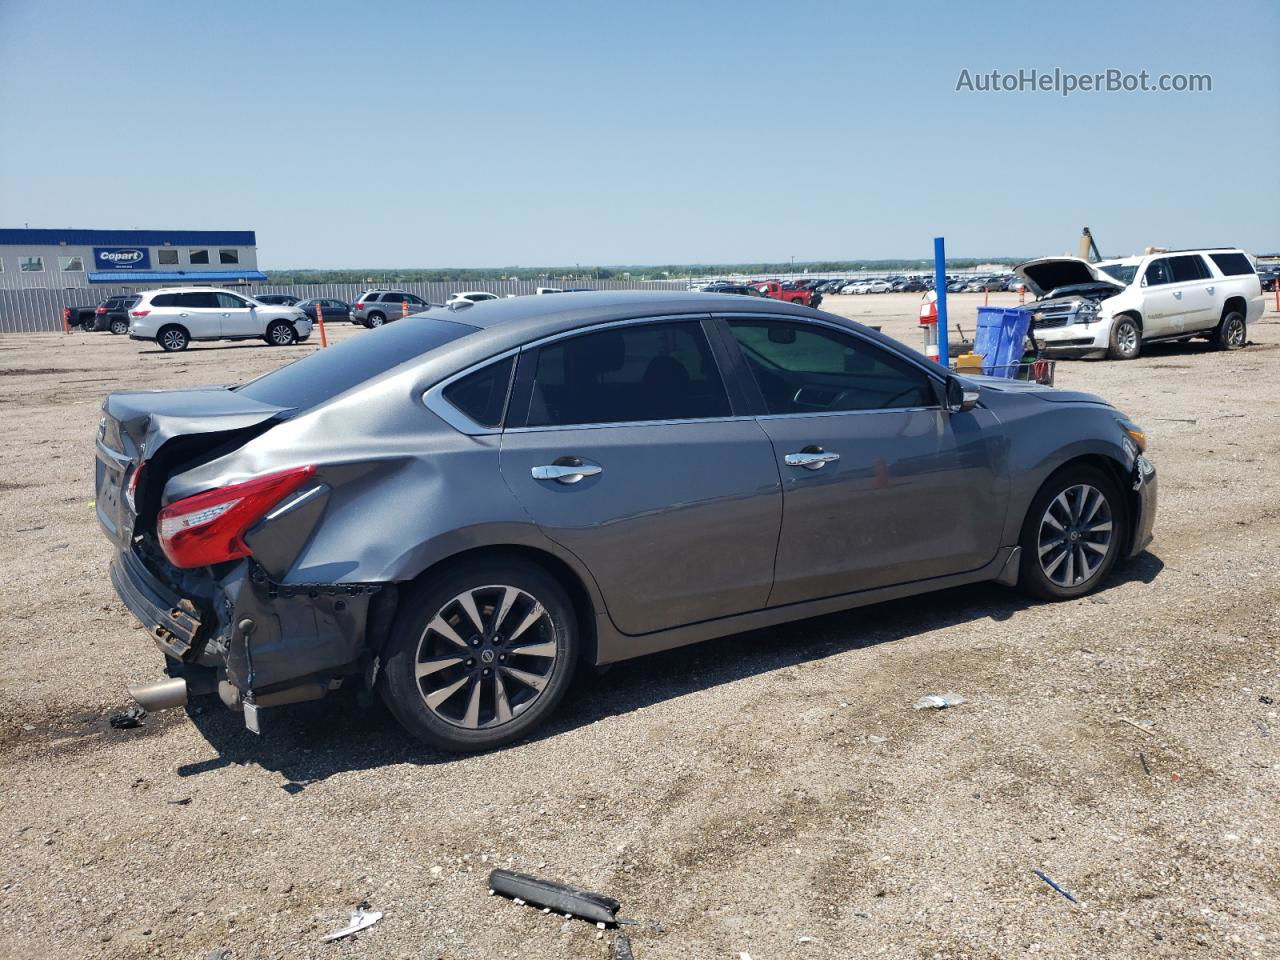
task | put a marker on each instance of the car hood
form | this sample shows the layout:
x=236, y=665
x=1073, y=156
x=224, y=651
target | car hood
x=1040, y=391
x=1050, y=273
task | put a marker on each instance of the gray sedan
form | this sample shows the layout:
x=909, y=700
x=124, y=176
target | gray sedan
x=460, y=509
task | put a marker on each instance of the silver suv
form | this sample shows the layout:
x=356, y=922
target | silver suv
x=376, y=307
x=175, y=316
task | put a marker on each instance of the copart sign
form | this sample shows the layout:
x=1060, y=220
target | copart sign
x=122, y=258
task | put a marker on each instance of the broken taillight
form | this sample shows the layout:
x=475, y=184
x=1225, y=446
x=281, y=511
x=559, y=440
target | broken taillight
x=209, y=528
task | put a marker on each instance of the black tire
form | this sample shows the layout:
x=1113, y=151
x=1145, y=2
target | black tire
x=1126, y=339
x=90, y=325
x=119, y=327
x=411, y=639
x=375, y=320
x=1036, y=577
x=173, y=338
x=280, y=333
x=1232, y=333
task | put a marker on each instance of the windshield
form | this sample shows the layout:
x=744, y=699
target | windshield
x=1124, y=272
x=323, y=375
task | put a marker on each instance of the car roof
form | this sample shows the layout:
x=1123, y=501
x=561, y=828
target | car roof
x=531, y=317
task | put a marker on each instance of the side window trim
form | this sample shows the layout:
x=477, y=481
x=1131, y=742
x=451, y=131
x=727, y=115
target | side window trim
x=935, y=380
x=434, y=400
x=519, y=401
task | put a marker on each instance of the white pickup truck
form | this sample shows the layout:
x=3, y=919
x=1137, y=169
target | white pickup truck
x=1110, y=308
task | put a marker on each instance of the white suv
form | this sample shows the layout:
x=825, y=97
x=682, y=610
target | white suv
x=174, y=317
x=1111, y=308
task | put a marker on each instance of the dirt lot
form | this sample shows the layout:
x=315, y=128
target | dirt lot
x=771, y=793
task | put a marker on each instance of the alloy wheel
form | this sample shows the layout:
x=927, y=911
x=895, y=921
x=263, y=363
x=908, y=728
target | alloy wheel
x=1127, y=338
x=486, y=656
x=1075, y=535
x=282, y=335
x=1235, y=332
x=173, y=340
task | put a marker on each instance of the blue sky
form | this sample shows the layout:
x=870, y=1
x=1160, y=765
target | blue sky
x=477, y=133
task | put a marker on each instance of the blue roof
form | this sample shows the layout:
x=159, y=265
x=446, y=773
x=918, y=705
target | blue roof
x=139, y=238
x=127, y=278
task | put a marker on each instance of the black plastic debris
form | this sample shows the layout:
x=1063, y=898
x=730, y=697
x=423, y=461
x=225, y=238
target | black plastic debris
x=128, y=719
x=622, y=948
x=560, y=897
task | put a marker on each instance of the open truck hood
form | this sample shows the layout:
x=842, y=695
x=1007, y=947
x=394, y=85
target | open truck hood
x=190, y=425
x=1050, y=273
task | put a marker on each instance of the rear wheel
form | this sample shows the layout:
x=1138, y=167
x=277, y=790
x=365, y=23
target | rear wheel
x=376, y=320
x=1126, y=339
x=481, y=655
x=119, y=326
x=1072, y=534
x=173, y=339
x=1232, y=334
x=281, y=334
x=89, y=326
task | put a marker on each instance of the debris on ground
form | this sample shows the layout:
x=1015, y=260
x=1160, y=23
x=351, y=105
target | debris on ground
x=179, y=801
x=622, y=948
x=128, y=719
x=1145, y=766
x=361, y=919
x=935, y=701
x=221, y=953
x=1266, y=699
x=1046, y=878
x=1137, y=726
x=522, y=888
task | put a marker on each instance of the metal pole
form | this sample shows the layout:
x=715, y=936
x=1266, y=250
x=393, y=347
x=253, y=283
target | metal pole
x=940, y=287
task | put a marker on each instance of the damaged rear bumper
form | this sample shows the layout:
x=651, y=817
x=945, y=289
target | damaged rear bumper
x=263, y=641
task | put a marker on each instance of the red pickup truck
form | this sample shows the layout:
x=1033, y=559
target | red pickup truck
x=780, y=291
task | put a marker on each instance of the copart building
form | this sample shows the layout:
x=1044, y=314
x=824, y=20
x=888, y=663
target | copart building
x=63, y=259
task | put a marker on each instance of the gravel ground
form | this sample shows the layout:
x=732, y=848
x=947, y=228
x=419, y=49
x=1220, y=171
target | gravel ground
x=771, y=793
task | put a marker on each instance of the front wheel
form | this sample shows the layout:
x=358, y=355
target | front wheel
x=1231, y=334
x=1072, y=534
x=281, y=334
x=173, y=339
x=89, y=326
x=1126, y=339
x=481, y=655
x=119, y=327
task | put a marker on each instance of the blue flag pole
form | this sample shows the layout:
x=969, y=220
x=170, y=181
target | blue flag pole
x=940, y=287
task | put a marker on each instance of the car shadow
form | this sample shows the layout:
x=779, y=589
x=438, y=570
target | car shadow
x=310, y=742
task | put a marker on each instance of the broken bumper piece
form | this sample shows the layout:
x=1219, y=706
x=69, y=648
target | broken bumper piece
x=266, y=644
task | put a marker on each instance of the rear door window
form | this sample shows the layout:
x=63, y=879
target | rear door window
x=1187, y=268
x=229, y=301
x=198, y=301
x=1232, y=264
x=322, y=375
x=629, y=374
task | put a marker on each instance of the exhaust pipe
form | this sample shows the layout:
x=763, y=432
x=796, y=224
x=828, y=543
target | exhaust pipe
x=160, y=694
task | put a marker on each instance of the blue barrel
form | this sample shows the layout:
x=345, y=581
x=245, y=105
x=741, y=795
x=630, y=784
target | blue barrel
x=1002, y=333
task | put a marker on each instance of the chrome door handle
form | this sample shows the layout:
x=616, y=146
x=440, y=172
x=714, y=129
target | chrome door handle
x=1208, y=289
x=810, y=460
x=566, y=472
x=1177, y=294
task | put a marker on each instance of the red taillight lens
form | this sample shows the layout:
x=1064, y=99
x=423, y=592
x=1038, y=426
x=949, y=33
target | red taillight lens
x=100, y=310
x=138, y=313
x=209, y=527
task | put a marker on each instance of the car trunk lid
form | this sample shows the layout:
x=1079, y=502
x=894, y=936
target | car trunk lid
x=146, y=437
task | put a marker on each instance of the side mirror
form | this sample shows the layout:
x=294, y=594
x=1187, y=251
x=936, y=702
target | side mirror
x=961, y=395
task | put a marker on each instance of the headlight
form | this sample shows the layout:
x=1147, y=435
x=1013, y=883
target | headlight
x=1136, y=434
x=1087, y=311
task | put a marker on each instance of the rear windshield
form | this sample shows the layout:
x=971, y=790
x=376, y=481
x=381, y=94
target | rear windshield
x=323, y=375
